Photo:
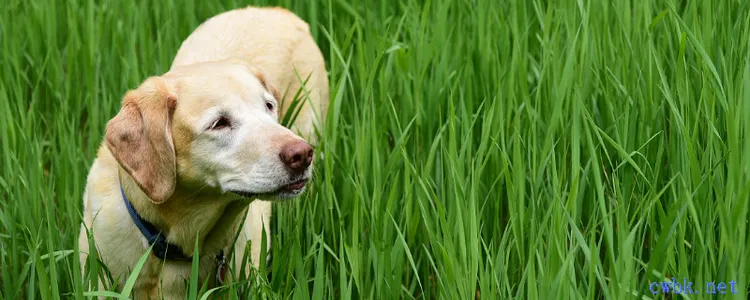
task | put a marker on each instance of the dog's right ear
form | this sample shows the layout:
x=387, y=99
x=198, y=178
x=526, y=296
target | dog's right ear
x=140, y=138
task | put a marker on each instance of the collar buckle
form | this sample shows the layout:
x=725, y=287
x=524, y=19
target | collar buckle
x=221, y=267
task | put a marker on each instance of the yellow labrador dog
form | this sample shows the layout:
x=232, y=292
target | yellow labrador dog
x=191, y=149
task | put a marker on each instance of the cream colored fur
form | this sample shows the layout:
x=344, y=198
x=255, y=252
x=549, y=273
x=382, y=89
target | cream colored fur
x=230, y=64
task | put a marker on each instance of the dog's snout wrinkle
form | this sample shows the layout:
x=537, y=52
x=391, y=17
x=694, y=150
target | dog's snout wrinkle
x=297, y=155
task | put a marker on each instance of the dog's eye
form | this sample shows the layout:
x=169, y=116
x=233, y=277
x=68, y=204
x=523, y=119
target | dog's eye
x=220, y=123
x=269, y=105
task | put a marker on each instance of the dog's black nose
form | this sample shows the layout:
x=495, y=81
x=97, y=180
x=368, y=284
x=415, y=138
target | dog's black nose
x=297, y=155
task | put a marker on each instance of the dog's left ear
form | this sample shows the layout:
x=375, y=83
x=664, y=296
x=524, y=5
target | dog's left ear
x=268, y=86
x=258, y=73
x=140, y=138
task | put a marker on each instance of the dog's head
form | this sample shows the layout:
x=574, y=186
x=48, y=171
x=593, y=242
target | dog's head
x=211, y=127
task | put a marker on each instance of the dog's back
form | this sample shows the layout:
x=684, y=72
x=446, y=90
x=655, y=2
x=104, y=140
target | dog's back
x=262, y=36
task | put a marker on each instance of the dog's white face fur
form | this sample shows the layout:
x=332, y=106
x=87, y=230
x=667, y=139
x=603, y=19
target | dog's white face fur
x=222, y=126
x=233, y=119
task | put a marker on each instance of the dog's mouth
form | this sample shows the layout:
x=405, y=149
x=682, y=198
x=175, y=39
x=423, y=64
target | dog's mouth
x=297, y=185
x=287, y=191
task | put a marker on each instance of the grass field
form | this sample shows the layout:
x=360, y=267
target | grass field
x=473, y=148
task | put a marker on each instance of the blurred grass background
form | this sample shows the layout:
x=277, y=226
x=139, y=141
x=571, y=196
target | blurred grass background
x=473, y=148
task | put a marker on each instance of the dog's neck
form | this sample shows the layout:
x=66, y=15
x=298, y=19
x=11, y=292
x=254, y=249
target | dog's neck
x=183, y=217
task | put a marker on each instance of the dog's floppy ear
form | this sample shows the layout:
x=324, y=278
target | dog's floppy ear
x=140, y=138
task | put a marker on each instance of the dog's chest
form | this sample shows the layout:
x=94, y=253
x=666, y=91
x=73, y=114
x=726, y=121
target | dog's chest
x=170, y=279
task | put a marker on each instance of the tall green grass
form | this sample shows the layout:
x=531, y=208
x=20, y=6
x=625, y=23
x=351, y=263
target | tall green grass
x=473, y=148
